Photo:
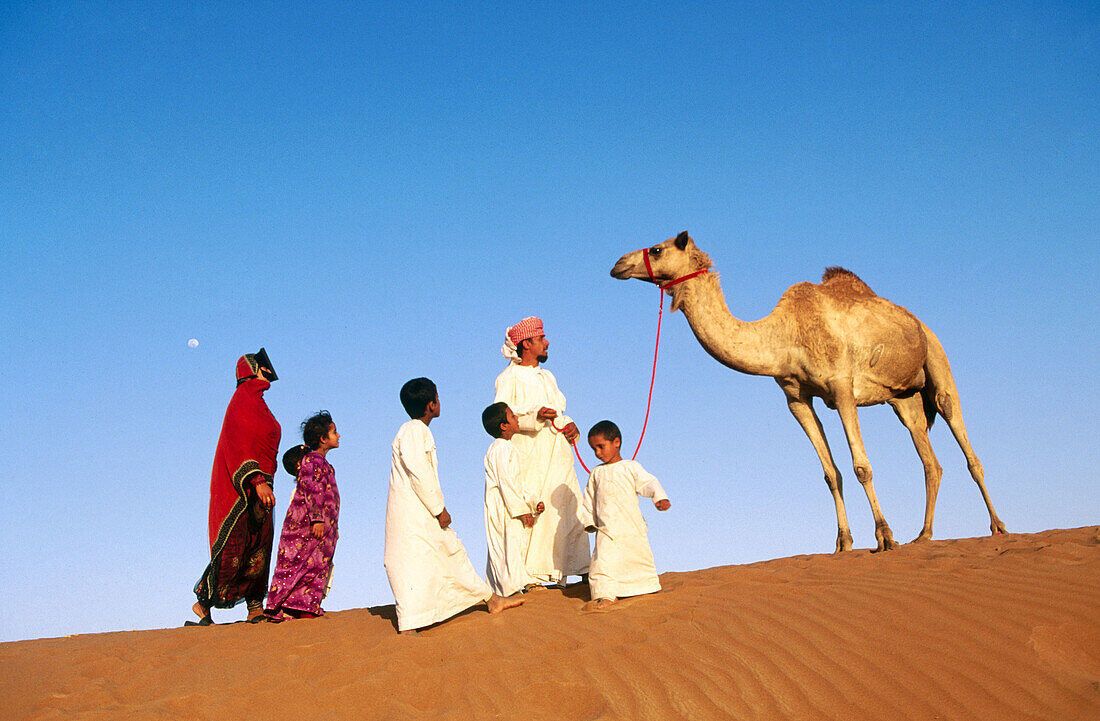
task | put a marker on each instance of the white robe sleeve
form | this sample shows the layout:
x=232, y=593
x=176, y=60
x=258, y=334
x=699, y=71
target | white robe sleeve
x=646, y=484
x=511, y=487
x=588, y=508
x=423, y=477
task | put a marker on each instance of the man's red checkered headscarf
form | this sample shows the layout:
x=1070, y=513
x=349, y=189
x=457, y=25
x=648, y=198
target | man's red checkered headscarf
x=530, y=327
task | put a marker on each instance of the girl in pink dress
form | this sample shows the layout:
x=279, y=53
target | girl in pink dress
x=310, y=529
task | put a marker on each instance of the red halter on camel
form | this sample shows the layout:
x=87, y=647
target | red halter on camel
x=657, y=346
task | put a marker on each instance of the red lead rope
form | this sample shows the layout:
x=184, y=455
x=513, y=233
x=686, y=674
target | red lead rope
x=576, y=451
x=656, y=347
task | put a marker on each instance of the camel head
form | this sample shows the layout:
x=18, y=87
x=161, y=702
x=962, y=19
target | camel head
x=672, y=259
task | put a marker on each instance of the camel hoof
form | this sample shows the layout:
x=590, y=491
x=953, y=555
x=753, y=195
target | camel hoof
x=921, y=539
x=886, y=544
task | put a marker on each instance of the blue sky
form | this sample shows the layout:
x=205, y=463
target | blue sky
x=375, y=194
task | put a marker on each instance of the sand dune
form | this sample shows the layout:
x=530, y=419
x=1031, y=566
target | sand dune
x=986, y=628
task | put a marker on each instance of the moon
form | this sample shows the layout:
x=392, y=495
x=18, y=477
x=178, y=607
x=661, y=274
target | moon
x=193, y=343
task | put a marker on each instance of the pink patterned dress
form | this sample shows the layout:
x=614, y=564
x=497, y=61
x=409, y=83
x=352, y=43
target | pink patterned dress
x=304, y=563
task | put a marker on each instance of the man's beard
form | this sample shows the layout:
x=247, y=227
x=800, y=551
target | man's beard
x=542, y=358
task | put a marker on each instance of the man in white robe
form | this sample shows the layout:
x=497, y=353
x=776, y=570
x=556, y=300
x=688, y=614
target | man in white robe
x=429, y=572
x=559, y=545
x=622, y=564
x=509, y=514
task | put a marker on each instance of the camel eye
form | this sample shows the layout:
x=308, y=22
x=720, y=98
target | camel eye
x=655, y=251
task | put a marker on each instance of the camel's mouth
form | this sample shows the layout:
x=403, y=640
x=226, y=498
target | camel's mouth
x=623, y=269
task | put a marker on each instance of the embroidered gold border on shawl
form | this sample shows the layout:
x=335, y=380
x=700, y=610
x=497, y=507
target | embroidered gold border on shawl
x=246, y=470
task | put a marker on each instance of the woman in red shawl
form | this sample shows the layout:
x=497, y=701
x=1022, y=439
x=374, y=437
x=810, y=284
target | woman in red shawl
x=241, y=530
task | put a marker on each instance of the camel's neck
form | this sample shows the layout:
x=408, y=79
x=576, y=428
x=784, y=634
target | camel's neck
x=748, y=347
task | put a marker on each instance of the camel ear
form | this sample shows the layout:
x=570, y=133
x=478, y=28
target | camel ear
x=682, y=240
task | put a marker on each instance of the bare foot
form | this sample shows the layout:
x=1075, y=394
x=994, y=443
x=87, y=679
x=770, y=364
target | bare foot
x=497, y=603
x=534, y=587
x=599, y=604
x=201, y=611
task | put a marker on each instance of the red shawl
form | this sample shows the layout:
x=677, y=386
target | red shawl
x=249, y=443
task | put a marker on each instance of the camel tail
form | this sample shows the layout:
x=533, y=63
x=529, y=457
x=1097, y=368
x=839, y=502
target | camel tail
x=939, y=393
x=928, y=396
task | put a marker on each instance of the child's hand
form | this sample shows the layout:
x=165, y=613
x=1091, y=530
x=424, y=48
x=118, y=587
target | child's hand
x=318, y=529
x=444, y=518
x=546, y=414
x=571, y=433
x=528, y=520
x=540, y=507
x=663, y=505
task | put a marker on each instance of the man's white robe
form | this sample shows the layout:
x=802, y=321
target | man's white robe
x=504, y=532
x=559, y=545
x=430, y=575
x=622, y=564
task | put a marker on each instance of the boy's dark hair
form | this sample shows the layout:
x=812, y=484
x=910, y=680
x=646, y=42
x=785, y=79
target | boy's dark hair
x=416, y=395
x=493, y=417
x=607, y=429
x=292, y=458
x=315, y=428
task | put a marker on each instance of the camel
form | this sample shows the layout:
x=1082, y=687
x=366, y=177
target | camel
x=837, y=341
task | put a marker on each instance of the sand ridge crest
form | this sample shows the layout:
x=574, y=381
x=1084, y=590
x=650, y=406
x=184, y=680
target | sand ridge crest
x=997, y=627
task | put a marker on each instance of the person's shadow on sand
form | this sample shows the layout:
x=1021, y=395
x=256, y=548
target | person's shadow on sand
x=387, y=613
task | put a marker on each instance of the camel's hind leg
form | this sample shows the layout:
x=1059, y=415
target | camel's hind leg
x=911, y=413
x=803, y=411
x=949, y=408
x=938, y=371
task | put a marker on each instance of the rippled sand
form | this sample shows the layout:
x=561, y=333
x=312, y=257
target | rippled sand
x=986, y=628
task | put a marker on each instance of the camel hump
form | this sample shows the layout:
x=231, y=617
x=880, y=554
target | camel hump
x=842, y=277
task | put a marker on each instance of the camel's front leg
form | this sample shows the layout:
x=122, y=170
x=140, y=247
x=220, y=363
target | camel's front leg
x=846, y=406
x=803, y=412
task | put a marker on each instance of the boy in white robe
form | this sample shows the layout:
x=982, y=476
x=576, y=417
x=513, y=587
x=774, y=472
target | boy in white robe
x=509, y=515
x=622, y=564
x=427, y=566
